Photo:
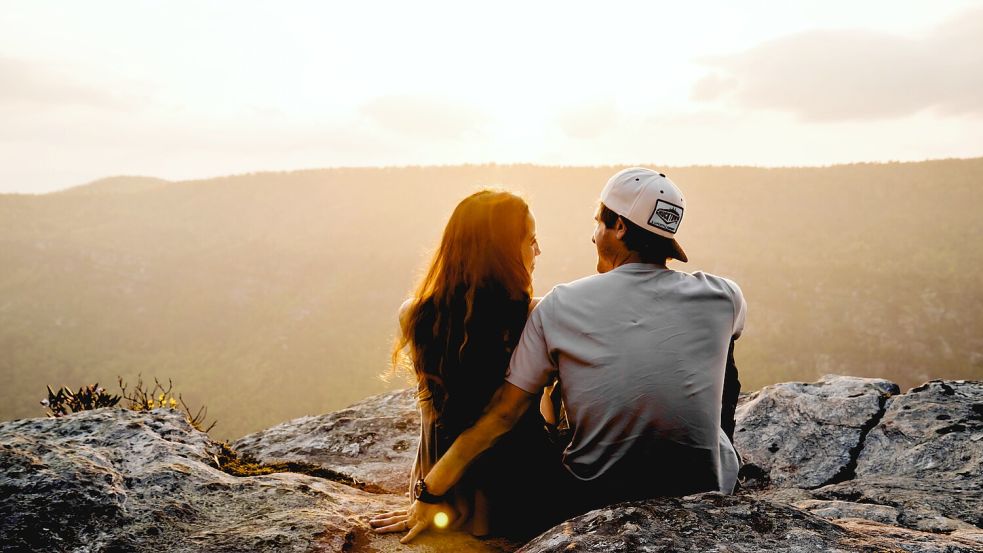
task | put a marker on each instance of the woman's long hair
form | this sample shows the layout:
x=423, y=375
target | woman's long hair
x=469, y=309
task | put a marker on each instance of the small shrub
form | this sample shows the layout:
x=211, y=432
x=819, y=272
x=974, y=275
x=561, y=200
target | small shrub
x=145, y=398
x=65, y=401
x=141, y=398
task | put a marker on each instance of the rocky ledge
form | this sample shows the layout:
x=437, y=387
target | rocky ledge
x=843, y=464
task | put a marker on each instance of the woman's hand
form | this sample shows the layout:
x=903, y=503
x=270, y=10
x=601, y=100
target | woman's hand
x=416, y=519
x=394, y=521
x=422, y=515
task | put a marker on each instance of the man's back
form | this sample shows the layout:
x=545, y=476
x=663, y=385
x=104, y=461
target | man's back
x=640, y=352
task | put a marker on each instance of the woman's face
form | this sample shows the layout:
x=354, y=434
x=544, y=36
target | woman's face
x=530, y=247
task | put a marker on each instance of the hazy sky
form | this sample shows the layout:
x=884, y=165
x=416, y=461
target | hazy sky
x=196, y=89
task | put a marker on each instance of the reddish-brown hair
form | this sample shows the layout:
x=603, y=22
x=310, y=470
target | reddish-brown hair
x=479, y=260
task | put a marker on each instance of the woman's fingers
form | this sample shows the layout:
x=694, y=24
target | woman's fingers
x=400, y=526
x=386, y=516
x=392, y=513
x=388, y=521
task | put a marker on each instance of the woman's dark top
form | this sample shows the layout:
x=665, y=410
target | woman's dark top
x=508, y=472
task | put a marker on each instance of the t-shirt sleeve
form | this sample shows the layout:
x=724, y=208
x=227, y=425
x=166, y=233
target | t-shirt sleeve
x=532, y=367
x=740, y=309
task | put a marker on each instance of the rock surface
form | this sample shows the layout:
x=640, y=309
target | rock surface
x=886, y=471
x=923, y=461
x=714, y=522
x=373, y=441
x=75, y=482
x=808, y=435
x=931, y=433
x=119, y=480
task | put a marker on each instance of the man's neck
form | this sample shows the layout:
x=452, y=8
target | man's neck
x=633, y=257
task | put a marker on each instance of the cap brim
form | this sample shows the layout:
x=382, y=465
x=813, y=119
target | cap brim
x=677, y=251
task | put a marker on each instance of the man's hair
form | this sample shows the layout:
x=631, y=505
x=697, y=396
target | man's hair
x=651, y=247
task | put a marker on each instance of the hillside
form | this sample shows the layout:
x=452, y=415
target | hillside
x=273, y=295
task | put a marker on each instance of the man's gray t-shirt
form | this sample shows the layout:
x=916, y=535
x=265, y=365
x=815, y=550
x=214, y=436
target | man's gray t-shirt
x=640, y=352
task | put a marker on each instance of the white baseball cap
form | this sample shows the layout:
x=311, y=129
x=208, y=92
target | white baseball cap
x=648, y=199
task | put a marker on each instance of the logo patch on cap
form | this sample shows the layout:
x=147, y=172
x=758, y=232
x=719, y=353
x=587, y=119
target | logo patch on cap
x=666, y=216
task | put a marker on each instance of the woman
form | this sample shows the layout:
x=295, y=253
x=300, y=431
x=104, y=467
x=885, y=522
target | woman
x=459, y=330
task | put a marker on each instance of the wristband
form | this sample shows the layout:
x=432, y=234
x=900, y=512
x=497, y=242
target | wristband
x=421, y=494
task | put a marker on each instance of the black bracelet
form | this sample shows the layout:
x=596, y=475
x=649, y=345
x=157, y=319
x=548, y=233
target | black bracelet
x=423, y=495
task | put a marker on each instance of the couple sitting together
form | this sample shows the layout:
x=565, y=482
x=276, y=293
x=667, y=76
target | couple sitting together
x=615, y=387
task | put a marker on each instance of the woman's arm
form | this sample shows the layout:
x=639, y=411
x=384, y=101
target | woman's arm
x=404, y=315
x=506, y=409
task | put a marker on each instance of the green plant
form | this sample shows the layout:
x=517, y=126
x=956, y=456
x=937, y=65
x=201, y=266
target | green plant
x=65, y=401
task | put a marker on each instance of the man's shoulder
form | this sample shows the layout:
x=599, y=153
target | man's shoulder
x=591, y=286
x=719, y=283
x=574, y=288
x=726, y=287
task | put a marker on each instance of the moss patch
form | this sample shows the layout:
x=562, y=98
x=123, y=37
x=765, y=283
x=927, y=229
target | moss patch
x=232, y=462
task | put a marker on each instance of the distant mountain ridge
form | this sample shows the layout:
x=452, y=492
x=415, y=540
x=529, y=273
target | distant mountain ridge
x=116, y=185
x=273, y=295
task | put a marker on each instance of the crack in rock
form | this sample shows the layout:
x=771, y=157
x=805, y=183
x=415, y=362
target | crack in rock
x=830, y=422
x=849, y=470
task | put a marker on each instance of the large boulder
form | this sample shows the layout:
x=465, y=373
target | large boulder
x=120, y=480
x=808, y=435
x=714, y=522
x=920, y=467
x=373, y=441
x=932, y=433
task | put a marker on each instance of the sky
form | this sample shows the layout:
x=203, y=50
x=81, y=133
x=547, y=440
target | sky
x=195, y=89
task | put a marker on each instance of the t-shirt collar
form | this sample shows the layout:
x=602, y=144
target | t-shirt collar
x=639, y=268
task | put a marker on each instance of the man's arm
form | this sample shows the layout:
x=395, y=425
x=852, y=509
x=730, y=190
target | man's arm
x=506, y=408
x=732, y=391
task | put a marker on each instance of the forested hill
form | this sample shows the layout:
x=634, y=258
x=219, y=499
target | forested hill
x=273, y=295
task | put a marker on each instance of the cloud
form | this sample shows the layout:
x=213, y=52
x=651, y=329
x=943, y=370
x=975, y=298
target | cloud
x=838, y=75
x=38, y=84
x=424, y=116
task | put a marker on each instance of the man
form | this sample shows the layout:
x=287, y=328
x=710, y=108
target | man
x=640, y=353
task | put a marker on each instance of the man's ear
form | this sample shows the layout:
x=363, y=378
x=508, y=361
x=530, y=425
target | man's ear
x=620, y=228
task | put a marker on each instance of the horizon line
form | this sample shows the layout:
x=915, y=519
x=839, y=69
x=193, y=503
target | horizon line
x=482, y=164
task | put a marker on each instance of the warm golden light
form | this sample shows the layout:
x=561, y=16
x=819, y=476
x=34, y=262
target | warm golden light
x=748, y=71
x=441, y=520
